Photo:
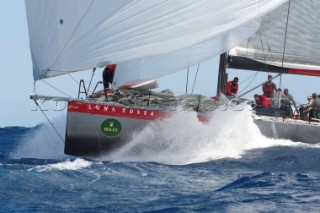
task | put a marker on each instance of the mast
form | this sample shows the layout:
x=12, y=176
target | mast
x=222, y=76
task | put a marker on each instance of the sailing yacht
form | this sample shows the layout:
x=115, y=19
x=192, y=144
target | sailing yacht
x=286, y=43
x=147, y=40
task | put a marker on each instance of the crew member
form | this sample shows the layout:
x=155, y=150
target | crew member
x=314, y=107
x=232, y=88
x=108, y=74
x=286, y=103
x=269, y=87
x=263, y=101
x=276, y=98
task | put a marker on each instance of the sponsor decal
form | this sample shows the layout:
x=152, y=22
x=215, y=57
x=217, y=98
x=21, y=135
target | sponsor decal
x=117, y=111
x=111, y=127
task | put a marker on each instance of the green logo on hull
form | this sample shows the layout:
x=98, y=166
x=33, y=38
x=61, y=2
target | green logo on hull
x=111, y=127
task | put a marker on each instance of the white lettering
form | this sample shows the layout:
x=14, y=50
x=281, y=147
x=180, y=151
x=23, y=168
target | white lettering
x=113, y=109
x=123, y=110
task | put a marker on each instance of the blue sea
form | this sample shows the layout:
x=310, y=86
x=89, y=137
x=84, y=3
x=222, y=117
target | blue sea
x=195, y=168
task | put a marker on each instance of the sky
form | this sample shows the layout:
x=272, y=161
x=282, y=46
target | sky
x=16, y=108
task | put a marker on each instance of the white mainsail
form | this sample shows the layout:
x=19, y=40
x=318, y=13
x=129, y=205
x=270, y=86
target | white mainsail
x=73, y=35
x=288, y=37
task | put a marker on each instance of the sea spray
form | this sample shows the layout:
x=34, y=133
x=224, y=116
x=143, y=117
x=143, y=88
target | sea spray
x=43, y=142
x=183, y=139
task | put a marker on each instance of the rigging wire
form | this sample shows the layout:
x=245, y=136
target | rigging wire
x=265, y=60
x=55, y=88
x=264, y=55
x=73, y=78
x=93, y=72
x=253, y=76
x=187, y=80
x=49, y=121
x=263, y=49
x=195, y=78
x=284, y=43
x=269, y=52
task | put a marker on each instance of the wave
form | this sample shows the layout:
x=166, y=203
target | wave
x=66, y=165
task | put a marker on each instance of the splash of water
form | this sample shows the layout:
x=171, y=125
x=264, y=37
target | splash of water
x=43, y=142
x=66, y=165
x=182, y=139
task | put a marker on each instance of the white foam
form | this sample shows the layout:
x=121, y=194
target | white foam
x=43, y=143
x=66, y=165
x=182, y=139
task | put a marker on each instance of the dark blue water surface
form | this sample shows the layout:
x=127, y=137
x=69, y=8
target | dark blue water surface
x=272, y=179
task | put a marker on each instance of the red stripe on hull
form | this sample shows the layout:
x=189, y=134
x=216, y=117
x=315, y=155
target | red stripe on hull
x=304, y=72
x=117, y=111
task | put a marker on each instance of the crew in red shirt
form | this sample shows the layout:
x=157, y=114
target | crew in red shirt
x=263, y=101
x=232, y=88
x=269, y=87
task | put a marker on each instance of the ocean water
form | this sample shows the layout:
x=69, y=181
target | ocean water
x=177, y=165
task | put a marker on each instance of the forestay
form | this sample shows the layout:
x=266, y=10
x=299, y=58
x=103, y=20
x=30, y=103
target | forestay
x=288, y=37
x=73, y=35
